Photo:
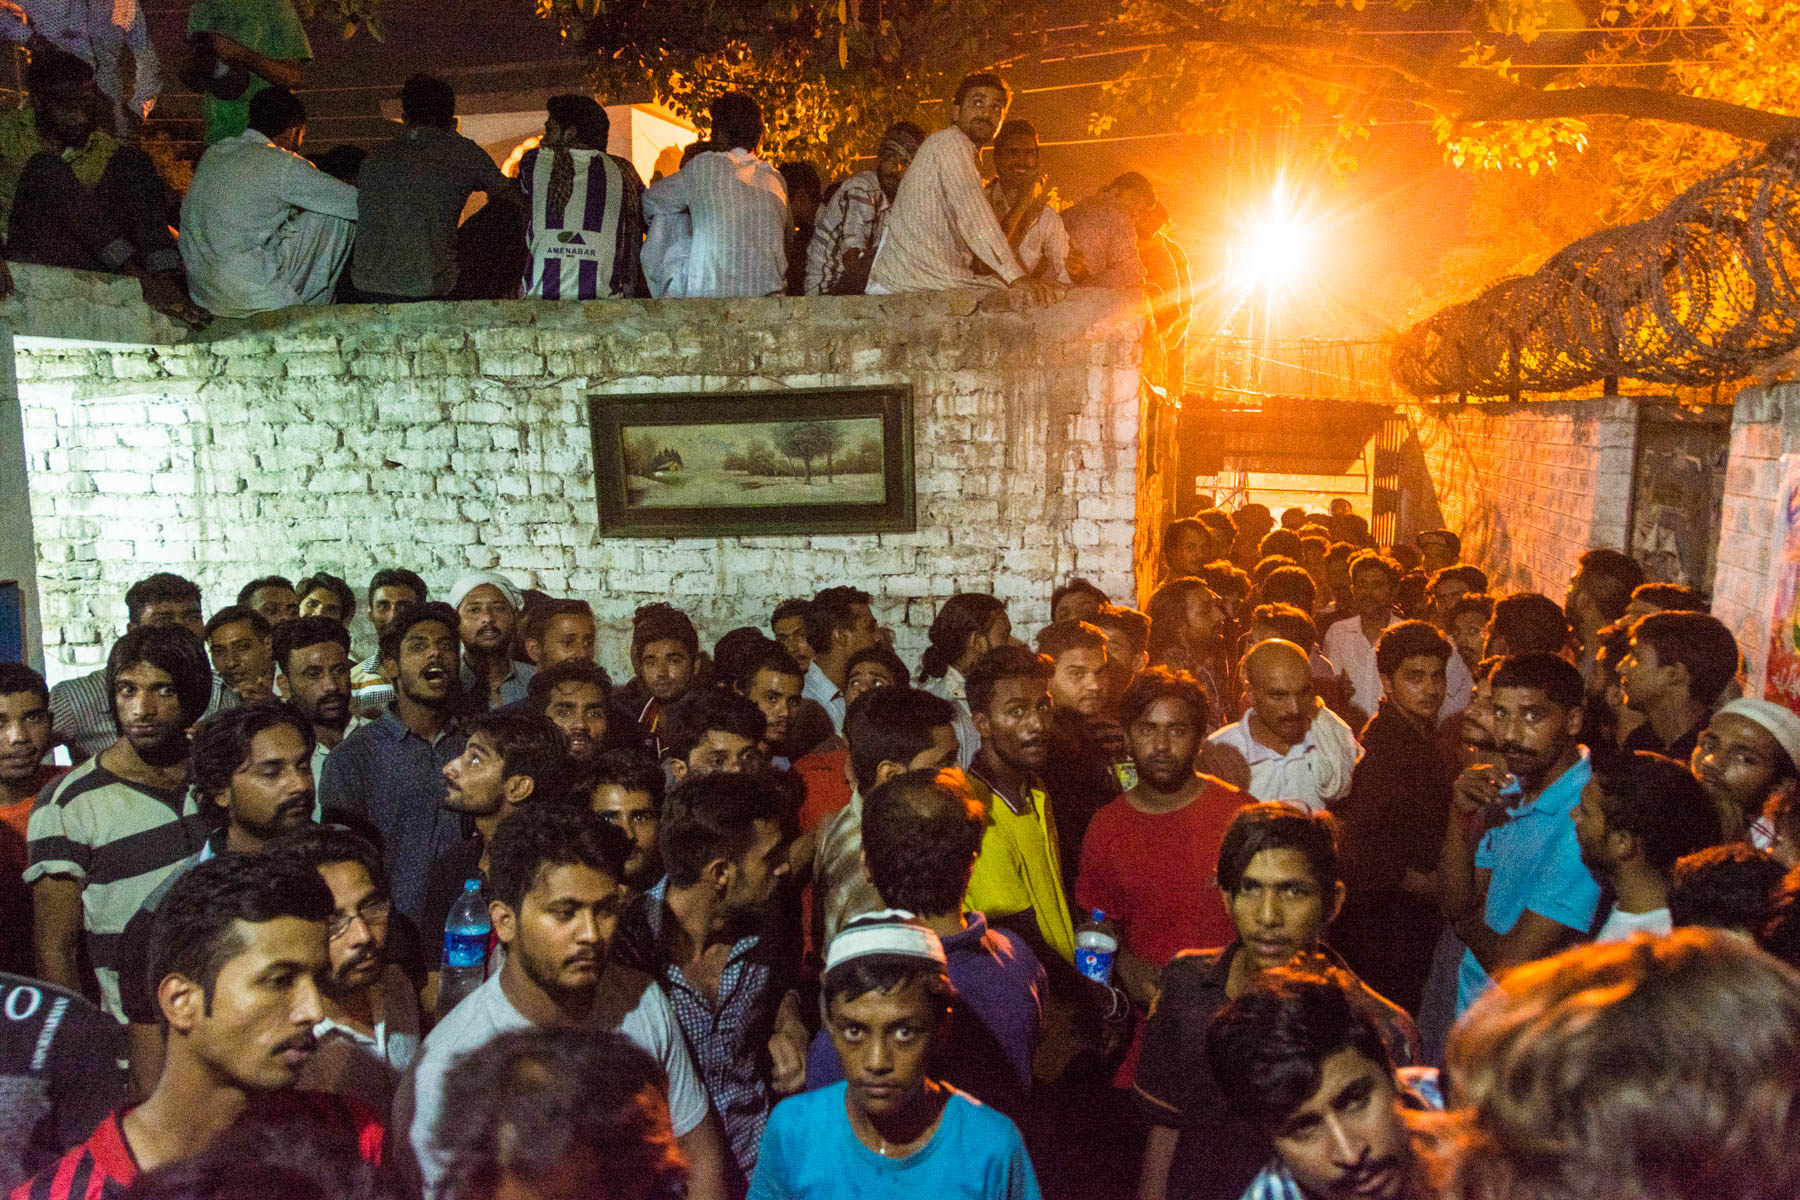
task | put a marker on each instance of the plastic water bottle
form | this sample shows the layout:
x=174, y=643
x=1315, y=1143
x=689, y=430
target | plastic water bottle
x=465, y=948
x=1096, y=944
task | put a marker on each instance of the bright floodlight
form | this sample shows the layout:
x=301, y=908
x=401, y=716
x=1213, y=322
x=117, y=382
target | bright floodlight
x=1275, y=249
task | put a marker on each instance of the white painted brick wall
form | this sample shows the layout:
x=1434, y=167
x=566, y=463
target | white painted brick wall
x=445, y=437
x=1765, y=423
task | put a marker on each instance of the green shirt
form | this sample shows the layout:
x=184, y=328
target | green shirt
x=271, y=28
x=19, y=140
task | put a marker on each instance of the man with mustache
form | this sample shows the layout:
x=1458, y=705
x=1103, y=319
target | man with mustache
x=487, y=606
x=1510, y=877
x=941, y=220
x=314, y=656
x=252, y=767
x=576, y=697
x=111, y=830
x=557, y=892
x=236, y=955
x=370, y=1031
x=1288, y=747
x=1299, y=1053
x=390, y=589
x=387, y=777
x=238, y=640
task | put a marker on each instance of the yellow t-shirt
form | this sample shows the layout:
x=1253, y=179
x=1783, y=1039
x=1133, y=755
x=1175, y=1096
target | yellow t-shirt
x=1019, y=867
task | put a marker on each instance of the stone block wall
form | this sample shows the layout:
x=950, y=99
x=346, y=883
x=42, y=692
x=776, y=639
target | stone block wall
x=1529, y=486
x=446, y=437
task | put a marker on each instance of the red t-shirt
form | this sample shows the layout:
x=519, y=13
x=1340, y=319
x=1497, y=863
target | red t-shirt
x=102, y=1167
x=1157, y=875
x=15, y=817
x=827, y=788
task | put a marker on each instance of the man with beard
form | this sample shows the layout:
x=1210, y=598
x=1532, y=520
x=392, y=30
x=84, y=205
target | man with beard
x=103, y=838
x=387, y=777
x=1018, y=193
x=1520, y=892
x=1599, y=593
x=238, y=640
x=369, y=1033
x=1149, y=855
x=487, y=607
x=627, y=790
x=941, y=221
x=252, y=766
x=235, y=959
x=273, y=596
x=849, y=229
x=1288, y=747
x=314, y=656
x=558, y=891
x=1638, y=815
x=1744, y=759
x=389, y=590
x=1299, y=1053
x=711, y=731
x=557, y=630
x=704, y=934
x=771, y=680
x=665, y=651
x=576, y=697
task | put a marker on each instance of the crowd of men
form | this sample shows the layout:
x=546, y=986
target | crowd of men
x=260, y=227
x=779, y=916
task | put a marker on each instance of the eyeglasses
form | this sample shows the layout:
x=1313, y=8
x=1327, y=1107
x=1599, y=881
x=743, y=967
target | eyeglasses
x=372, y=912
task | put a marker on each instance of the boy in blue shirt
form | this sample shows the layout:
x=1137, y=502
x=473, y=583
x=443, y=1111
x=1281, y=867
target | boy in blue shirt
x=889, y=1130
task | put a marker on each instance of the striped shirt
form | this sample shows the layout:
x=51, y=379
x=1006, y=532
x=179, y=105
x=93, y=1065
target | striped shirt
x=119, y=840
x=845, y=236
x=370, y=691
x=588, y=249
x=82, y=715
x=101, y=1168
x=941, y=223
x=738, y=206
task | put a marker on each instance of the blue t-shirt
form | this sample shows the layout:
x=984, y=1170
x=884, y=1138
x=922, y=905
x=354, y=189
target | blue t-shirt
x=809, y=1152
x=1535, y=864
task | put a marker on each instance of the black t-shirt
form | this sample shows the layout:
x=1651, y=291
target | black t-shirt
x=59, y=1074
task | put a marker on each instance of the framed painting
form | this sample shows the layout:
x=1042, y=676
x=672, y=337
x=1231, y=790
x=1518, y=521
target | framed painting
x=715, y=464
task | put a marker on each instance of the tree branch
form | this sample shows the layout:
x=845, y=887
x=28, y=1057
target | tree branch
x=1479, y=95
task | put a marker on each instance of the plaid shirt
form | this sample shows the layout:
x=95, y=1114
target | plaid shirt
x=730, y=1040
x=849, y=223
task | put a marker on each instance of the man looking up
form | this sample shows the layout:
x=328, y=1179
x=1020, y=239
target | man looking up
x=890, y=1129
x=411, y=190
x=1599, y=592
x=487, y=609
x=507, y=760
x=941, y=221
x=390, y=588
x=628, y=788
x=1520, y=892
x=701, y=933
x=1299, y=1054
x=273, y=596
x=81, y=709
x=665, y=650
x=558, y=630
x=1743, y=758
x=25, y=738
x=369, y=1032
x=772, y=680
x=576, y=697
x=839, y=622
x=1288, y=746
x=235, y=958
x=388, y=775
x=1278, y=871
x=850, y=224
x=111, y=830
x=1678, y=666
x=1033, y=229
x=314, y=656
x=238, y=640
x=1393, y=819
x=1148, y=857
x=891, y=731
x=1638, y=814
x=921, y=833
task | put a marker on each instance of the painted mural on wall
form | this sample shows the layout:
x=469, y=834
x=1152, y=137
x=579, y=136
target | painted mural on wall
x=1782, y=671
x=1678, y=498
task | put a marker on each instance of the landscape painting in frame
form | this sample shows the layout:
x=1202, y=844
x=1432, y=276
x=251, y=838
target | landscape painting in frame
x=713, y=464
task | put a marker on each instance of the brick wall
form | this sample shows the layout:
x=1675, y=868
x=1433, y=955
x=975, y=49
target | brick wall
x=1528, y=486
x=1765, y=423
x=448, y=437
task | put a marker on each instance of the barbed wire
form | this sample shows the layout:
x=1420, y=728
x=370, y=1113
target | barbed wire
x=1704, y=292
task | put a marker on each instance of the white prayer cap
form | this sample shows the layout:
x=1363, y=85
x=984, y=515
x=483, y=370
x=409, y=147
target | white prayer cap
x=474, y=579
x=1780, y=722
